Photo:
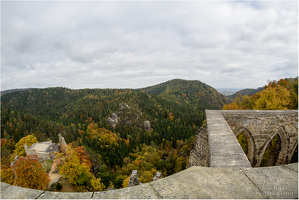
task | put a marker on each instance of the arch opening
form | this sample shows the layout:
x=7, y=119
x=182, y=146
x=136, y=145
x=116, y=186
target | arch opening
x=243, y=142
x=246, y=141
x=272, y=152
x=294, y=158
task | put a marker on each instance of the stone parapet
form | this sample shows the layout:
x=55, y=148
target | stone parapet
x=278, y=182
x=225, y=150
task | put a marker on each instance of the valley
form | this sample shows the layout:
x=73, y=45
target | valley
x=110, y=132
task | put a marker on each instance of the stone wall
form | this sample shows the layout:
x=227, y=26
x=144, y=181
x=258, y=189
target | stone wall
x=279, y=182
x=41, y=155
x=199, y=155
x=260, y=127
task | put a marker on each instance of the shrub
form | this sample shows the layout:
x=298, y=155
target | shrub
x=58, y=186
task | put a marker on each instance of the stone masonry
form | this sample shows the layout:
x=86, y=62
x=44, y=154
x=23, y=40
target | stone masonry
x=199, y=155
x=260, y=127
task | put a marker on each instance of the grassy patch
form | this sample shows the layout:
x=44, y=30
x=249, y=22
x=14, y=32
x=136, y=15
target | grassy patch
x=47, y=164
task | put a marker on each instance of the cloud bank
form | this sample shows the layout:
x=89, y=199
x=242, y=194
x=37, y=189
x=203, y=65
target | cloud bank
x=137, y=44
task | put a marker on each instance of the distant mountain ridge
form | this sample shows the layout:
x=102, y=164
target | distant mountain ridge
x=191, y=92
x=253, y=91
x=247, y=92
x=15, y=90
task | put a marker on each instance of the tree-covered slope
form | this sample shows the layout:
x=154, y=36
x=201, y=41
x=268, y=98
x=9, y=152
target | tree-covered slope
x=195, y=93
x=247, y=92
x=81, y=116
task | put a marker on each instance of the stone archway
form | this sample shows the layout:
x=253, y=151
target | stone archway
x=250, y=143
x=292, y=152
x=283, y=148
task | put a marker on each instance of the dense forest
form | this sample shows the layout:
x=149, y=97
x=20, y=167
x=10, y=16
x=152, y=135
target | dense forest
x=99, y=154
x=110, y=152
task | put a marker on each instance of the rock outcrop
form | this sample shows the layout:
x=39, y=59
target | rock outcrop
x=122, y=106
x=147, y=125
x=113, y=120
x=134, y=180
x=157, y=176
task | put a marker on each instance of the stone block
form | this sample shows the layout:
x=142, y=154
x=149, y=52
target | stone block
x=144, y=191
x=275, y=182
x=66, y=195
x=15, y=192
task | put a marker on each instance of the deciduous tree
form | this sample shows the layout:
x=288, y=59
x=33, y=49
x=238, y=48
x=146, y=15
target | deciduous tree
x=30, y=174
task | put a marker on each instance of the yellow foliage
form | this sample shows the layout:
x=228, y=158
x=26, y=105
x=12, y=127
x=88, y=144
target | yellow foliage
x=273, y=98
x=126, y=181
x=28, y=140
x=7, y=176
x=76, y=172
x=110, y=185
x=96, y=184
x=146, y=176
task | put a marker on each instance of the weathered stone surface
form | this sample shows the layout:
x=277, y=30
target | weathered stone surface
x=15, y=192
x=66, y=195
x=225, y=150
x=4, y=185
x=293, y=166
x=143, y=191
x=275, y=182
x=195, y=182
x=206, y=183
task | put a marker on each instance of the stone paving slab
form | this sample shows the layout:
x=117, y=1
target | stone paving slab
x=225, y=150
x=276, y=182
x=14, y=192
x=4, y=185
x=206, y=183
x=293, y=166
x=144, y=191
x=66, y=195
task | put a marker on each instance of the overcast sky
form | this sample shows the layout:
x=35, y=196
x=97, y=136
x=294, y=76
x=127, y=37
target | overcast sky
x=130, y=44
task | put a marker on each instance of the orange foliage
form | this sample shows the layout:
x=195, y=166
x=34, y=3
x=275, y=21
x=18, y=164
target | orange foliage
x=83, y=156
x=30, y=174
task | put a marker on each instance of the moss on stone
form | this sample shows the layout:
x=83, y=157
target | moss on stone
x=243, y=142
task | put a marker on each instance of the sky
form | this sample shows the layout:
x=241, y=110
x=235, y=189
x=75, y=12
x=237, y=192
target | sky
x=135, y=44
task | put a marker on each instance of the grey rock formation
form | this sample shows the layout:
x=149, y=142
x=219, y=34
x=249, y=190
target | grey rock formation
x=157, y=176
x=113, y=120
x=147, y=125
x=123, y=106
x=134, y=180
x=61, y=141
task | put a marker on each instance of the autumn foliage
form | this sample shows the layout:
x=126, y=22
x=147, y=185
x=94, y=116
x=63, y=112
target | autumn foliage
x=277, y=95
x=28, y=140
x=30, y=174
x=72, y=168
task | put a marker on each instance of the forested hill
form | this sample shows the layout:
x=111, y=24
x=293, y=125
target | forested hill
x=251, y=92
x=117, y=130
x=247, y=91
x=195, y=93
x=82, y=117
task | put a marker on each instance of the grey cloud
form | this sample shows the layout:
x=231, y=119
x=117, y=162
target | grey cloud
x=138, y=44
